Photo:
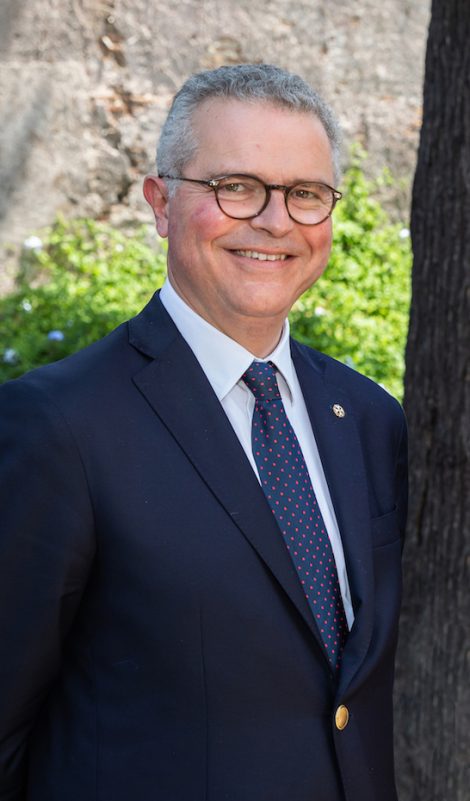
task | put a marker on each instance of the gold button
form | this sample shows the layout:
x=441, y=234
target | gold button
x=342, y=717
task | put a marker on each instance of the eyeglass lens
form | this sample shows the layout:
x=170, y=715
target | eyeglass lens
x=241, y=196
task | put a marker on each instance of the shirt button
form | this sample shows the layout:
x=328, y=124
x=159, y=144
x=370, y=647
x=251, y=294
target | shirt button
x=341, y=717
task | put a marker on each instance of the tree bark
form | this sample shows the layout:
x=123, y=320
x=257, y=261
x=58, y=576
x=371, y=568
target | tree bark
x=433, y=698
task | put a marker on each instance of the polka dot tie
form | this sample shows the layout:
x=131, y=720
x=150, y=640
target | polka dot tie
x=288, y=489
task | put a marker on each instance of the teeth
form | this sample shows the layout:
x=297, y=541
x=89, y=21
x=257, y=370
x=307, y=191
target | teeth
x=253, y=254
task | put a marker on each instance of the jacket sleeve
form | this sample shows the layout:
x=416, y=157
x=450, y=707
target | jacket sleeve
x=46, y=550
x=401, y=479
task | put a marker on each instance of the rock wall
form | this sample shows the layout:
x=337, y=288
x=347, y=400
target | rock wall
x=85, y=84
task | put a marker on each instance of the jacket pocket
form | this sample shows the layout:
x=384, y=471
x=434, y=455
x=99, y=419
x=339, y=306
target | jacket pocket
x=385, y=529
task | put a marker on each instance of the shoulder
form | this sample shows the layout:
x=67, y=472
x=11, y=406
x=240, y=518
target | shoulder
x=368, y=400
x=91, y=372
x=94, y=389
x=59, y=410
x=104, y=368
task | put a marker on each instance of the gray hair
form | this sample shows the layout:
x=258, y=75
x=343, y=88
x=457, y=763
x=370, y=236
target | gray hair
x=247, y=82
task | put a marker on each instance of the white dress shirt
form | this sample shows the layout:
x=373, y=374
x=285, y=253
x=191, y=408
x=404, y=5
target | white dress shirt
x=224, y=361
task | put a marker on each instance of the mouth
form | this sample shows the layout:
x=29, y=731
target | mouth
x=257, y=255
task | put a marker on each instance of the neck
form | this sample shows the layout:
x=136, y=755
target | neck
x=258, y=335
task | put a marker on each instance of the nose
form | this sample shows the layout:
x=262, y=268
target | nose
x=274, y=218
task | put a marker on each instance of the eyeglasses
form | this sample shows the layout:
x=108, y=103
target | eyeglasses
x=243, y=197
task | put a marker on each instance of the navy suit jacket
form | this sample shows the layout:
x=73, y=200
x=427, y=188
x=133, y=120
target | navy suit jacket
x=155, y=641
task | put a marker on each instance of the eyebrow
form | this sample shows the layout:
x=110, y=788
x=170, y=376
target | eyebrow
x=220, y=174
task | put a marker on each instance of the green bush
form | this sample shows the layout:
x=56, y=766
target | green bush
x=76, y=283
x=83, y=278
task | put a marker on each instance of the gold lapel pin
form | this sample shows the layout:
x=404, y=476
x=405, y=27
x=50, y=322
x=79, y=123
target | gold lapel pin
x=338, y=410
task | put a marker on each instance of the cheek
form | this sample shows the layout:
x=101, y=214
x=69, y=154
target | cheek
x=204, y=223
x=320, y=241
x=325, y=232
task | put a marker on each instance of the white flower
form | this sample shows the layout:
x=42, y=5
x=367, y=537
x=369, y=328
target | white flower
x=10, y=356
x=56, y=336
x=404, y=233
x=26, y=306
x=320, y=311
x=32, y=243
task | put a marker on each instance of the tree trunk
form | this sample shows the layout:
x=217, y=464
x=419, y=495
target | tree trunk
x=433, y=698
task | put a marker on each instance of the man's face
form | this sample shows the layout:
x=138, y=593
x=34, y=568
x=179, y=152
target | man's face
x=212, y=258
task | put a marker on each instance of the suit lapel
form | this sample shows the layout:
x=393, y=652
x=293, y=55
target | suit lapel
x=180, y=394
x=342, y=459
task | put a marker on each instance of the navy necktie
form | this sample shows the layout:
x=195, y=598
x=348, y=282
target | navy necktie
x=288, y=489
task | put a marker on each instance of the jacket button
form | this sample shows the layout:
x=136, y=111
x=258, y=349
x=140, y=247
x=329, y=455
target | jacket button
x=341, y=717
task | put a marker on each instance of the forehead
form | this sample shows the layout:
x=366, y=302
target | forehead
x=275, y=143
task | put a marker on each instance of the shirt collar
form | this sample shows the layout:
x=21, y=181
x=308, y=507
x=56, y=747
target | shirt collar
x=223, y=359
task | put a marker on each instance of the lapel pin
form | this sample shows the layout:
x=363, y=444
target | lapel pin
x=338, y=410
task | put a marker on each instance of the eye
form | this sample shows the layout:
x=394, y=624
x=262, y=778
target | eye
x=304, y=194
x=312, y=194
x=237, y=185
x=233, y=187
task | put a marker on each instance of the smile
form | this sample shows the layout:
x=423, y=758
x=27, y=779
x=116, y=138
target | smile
x=254, y=254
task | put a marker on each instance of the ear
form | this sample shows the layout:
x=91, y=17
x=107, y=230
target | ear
x=156, y=195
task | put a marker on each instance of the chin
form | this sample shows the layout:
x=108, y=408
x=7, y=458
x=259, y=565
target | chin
x=265, y=310
x=270, y=305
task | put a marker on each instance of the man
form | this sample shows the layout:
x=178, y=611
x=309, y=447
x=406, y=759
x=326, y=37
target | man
x=202, y=520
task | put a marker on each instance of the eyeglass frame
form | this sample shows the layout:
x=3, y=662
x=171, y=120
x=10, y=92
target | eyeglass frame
x=213, y=183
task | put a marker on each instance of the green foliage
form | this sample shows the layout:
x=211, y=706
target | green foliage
x=358, y=310
x=80, y=281
x=83, y=278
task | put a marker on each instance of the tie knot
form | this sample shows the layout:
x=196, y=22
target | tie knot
x=261, y=379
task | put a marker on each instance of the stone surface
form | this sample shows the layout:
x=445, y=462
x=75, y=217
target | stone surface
x=85, y=85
